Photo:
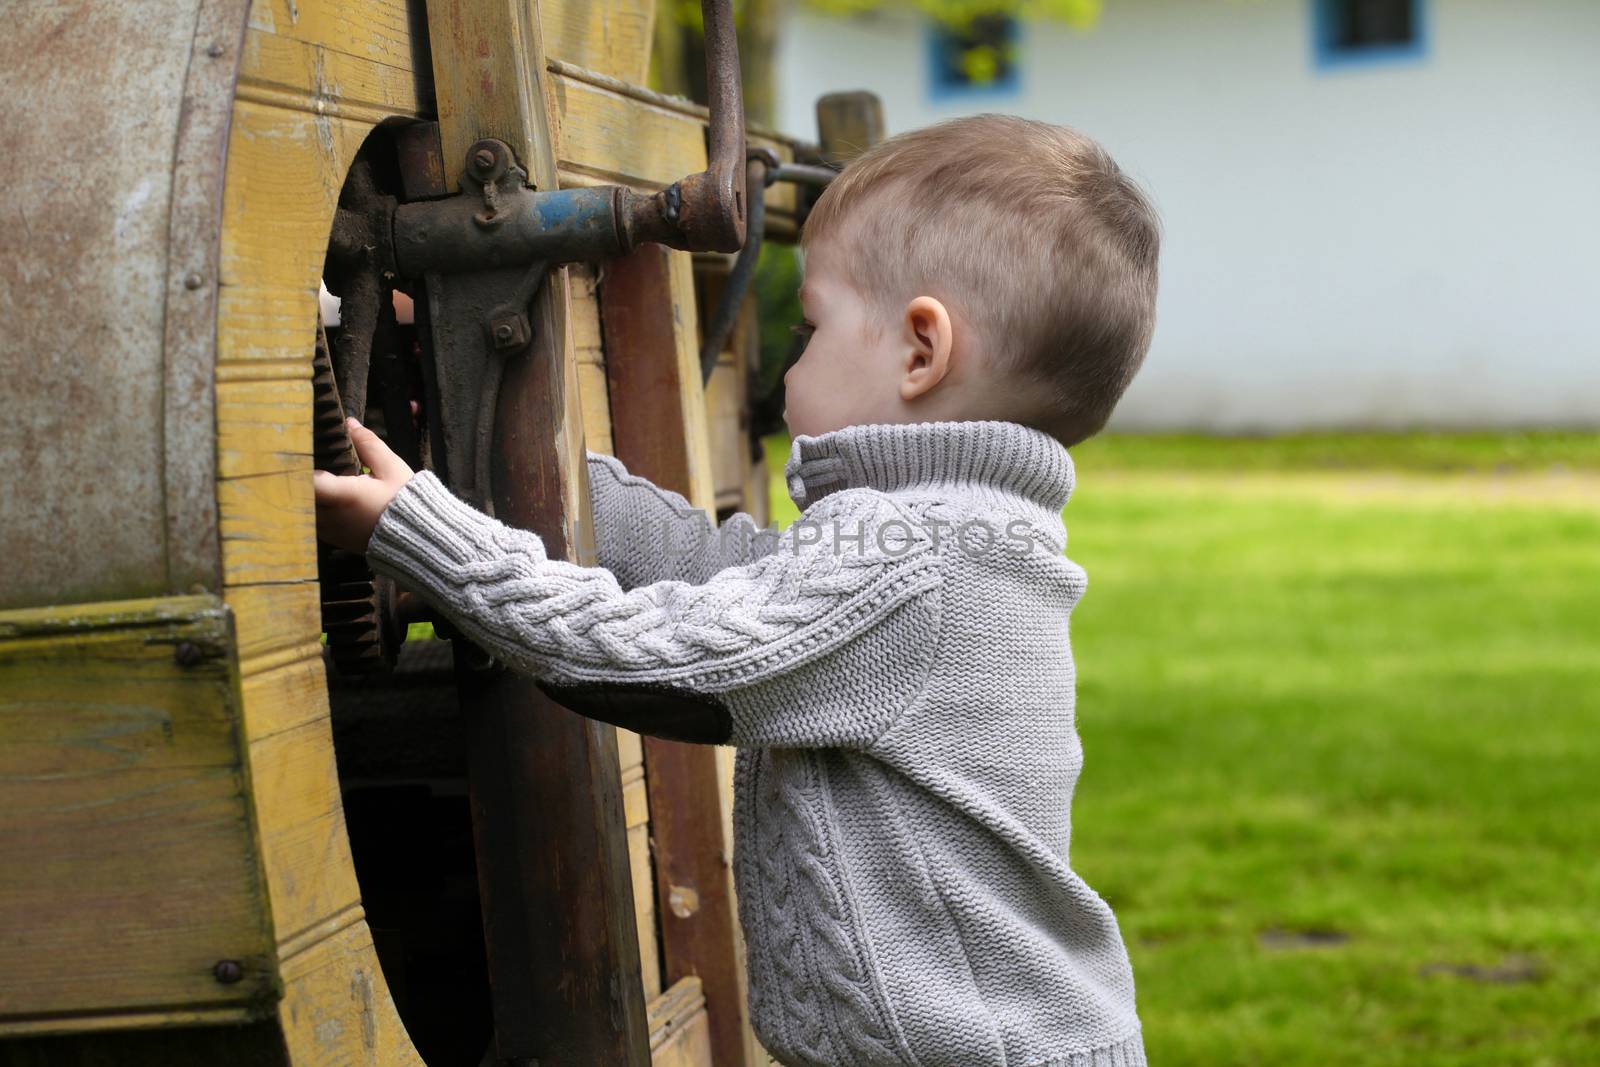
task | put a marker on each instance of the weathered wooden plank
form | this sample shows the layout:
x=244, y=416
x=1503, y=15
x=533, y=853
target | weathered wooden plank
x=275, y=622
x=268, y=528
x=286, y=690
x=585, y=314
x=322, y=81
x=651, y=330
x=266, y=331
x=697, y=484
x=336, y=1007
x=292, y=166
x=263, y=427
x=630, y=749
x=596, y=410
x=563, y=953
x=614, y=132
x=680, y=1034
x=609, y=36
x=122, y=798
x=688, y=1046
x=379, y=31
x=647, y=307
x=303, y=839
x=644, y=902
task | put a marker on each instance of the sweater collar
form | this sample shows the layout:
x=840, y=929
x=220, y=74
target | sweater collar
x=990, y=457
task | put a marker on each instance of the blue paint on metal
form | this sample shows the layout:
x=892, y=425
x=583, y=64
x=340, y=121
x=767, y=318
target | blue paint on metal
x=574, y=209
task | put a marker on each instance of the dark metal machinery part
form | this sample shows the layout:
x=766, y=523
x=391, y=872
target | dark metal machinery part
x=363, y=614
x=763, y=169
x=359, y=609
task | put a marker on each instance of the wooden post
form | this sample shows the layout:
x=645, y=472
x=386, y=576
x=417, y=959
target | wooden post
x=657, y=417
x=546, y=793
x=848, y=124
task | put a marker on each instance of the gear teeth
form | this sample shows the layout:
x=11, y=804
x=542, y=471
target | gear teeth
x=355, y=604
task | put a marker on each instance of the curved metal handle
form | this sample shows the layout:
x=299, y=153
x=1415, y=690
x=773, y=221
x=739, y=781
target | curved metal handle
x=705, y=212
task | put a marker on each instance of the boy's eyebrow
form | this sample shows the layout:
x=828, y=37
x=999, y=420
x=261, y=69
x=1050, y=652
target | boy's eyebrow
x=802, y=292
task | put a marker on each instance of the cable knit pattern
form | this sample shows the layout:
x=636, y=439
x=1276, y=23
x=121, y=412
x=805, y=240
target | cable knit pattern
x=904, y=712
x=644, y=533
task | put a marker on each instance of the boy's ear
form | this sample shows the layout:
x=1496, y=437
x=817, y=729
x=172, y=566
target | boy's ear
x=928, y=337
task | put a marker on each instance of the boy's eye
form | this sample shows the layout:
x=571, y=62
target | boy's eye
x=803, y=329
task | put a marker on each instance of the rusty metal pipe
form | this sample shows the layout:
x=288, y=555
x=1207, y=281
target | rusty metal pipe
x=705, y=212
x=559, y=226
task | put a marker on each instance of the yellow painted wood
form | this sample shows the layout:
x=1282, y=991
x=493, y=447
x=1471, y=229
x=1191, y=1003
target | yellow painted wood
x=316, y=77
x=586, y=336
x=630, y=749
x=376, y=30
x=268, y=526
x=489, y=81
x=592, y=395
x=288, y=164
x=642, y=871
x=680, y=1034
x=261, y=328
x=336, y=1008
x=729, y=451
x=324, y=80
x=303, y=837
x=609, y=36
x=619, y=133
x=125, y=810
x=261, y=427
x=275, y=622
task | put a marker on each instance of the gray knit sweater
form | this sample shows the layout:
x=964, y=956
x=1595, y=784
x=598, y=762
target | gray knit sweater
x=902, y=701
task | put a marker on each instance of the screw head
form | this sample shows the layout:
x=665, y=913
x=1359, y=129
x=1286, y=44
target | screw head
x=483, y=158
x=192, y=280
x=187, y=654
x=215, y=51
x=508, y=329
x=228, y=971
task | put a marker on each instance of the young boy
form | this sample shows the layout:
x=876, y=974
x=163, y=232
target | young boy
x=895, y=669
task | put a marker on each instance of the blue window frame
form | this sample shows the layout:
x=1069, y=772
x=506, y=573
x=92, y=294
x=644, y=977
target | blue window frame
x=976, y=59
x=1355, y=33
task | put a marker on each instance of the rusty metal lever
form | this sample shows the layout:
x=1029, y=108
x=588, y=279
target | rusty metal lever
x=705, y=212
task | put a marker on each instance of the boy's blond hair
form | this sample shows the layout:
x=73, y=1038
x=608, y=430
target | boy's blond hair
x=1029, y=232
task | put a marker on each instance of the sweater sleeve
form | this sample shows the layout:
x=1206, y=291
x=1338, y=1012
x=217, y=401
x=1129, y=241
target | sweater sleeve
x=644, y=533
x=821, y=642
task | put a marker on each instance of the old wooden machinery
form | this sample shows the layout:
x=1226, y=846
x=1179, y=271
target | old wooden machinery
x=222, y=840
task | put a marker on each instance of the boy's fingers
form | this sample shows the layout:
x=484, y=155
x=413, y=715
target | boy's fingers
x=385, y=465
x=330, y=489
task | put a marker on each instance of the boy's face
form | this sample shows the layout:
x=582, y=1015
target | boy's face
x=850, y=371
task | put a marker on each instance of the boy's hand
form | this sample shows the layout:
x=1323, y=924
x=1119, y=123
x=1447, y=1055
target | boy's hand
x=348, y=507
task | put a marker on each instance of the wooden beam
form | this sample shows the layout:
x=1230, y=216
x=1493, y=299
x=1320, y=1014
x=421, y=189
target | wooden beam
x=131, y=885
x=658, y=430
x=546, y=790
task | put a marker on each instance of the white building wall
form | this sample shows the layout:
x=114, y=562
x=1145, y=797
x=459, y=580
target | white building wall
x=1411, y=244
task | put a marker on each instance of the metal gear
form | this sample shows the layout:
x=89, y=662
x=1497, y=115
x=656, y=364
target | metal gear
x=358, y=608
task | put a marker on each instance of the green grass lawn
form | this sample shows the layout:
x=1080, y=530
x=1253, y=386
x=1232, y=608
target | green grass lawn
x=1342, y=737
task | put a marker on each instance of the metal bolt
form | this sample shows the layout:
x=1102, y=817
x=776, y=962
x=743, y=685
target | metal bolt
x=215, y=51
x=228, y=972
x=187, y=654
x=192, y=280
x=508, y=329
x=483, y=159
